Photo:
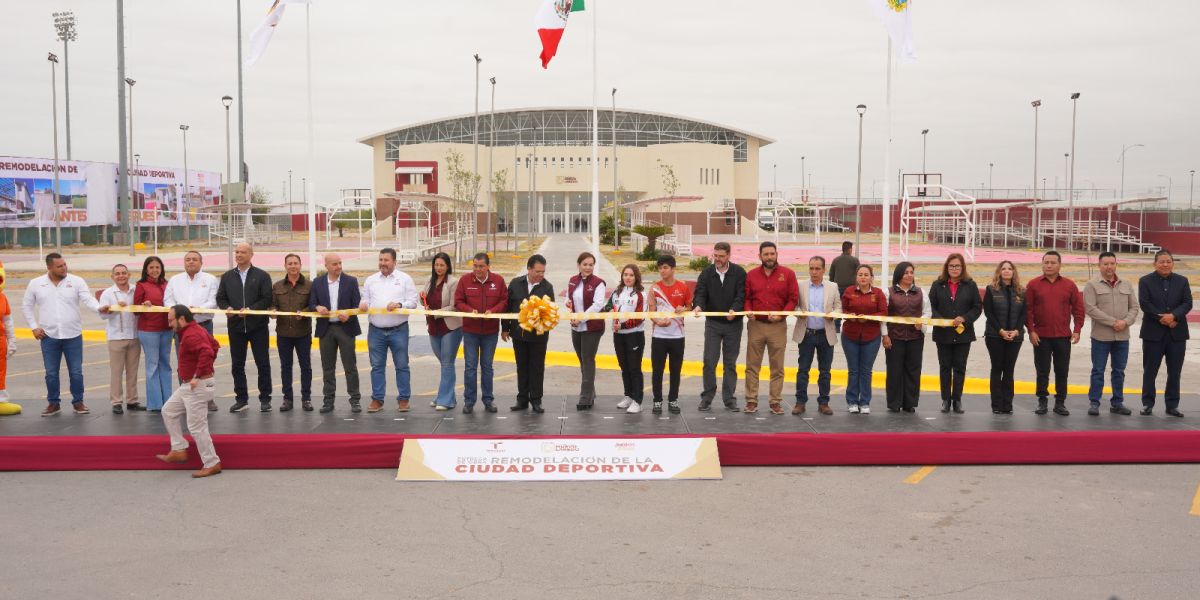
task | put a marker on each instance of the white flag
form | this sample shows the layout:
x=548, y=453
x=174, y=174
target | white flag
x=897, y=18
x=262, y=34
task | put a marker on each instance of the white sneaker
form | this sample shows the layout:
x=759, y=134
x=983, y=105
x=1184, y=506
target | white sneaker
x=866, y=410
x=625, y=402
x=854, y=409
x=634, y=408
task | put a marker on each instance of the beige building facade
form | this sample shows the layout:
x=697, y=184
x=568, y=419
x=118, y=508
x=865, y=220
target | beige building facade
x=545, y=154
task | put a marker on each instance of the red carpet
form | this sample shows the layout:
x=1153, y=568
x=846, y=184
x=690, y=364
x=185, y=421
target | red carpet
x=370, y=451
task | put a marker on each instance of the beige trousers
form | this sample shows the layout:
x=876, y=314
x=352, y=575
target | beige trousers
x=773, y=338
x=123, y=358
x=193, y=404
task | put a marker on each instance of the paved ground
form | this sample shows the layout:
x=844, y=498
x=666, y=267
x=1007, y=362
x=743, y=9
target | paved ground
x=1127, y=531
x=971, y=533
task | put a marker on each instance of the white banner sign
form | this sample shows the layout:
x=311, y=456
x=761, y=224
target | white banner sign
x=568, y=459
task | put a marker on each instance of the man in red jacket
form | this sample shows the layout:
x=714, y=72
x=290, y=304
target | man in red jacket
x=770, y=286
x=1054, y=302
x=482, y=292
x=197, y=353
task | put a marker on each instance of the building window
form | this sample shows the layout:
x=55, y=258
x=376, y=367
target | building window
x=718, y=177
x=416, y=179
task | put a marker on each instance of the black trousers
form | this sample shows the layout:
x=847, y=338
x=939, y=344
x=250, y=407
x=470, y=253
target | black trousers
x=337, y=341
x=904, y=373
x=952, y=363
x=531, y=369
x=722, y=341
x=1058, y=351
x=301, y=347
x=630, y=348
x=260, y=345
x=660, y=350
x=1152, y=357
x=1004, y=363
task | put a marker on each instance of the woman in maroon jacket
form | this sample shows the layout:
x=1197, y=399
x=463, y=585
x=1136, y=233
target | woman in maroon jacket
x=154, y=333
x=586, y=294
x=861, y=337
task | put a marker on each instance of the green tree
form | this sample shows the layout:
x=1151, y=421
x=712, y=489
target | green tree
x=652, y=233
x=260, y=197
x=670, y=183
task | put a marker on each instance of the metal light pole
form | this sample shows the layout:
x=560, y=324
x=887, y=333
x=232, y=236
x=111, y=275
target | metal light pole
x=861, y=108
x=122, y=160
x=227, y=101
x=1121, y=159
x=1036, y=104
x=1071, y=180
x=183, y=204
x=240, y=101
x=475, y=144
x=774, y=181
x=136, y=179
x=616, y=195
x=1192, y=189
x=54, y=109
x=924, y=139
x=291, y=196
x=491, y=172
x=130, y=82
x=64, y=23
x=991, y=167
x=1170, y=184
x=803, y=184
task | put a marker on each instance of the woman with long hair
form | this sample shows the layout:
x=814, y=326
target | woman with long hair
x=154, y=334
x=445, y=333
x=629, y=335
x=861, y=337
x=903, y=344
x=954, y=296
x=1005, y=307
x=586, y=294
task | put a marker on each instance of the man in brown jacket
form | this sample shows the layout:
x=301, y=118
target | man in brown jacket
x=293, y=333
x=1113, y=308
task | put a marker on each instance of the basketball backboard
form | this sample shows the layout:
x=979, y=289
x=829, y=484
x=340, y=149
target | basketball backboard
x=921, y=185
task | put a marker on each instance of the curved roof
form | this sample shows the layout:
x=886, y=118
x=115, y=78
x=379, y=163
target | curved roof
x=605, y=115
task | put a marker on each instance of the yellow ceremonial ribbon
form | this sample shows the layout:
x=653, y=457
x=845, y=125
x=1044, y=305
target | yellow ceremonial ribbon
x=576, y=316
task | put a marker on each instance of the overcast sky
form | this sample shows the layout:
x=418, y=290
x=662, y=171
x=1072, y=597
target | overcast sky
x=790, y=70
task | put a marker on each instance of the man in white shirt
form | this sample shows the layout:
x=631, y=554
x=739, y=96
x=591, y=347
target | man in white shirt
x=193, y=288
x=124, y=351
x=388, y=289
x=51, y=308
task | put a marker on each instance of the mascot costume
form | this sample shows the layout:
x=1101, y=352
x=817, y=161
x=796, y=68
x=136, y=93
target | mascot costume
x=8, y=347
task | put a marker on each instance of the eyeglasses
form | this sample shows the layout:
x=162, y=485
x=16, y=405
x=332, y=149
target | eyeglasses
x=953, y=266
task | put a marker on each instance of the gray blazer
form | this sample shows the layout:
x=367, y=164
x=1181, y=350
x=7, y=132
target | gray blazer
x=833, y=303
x=448, y=288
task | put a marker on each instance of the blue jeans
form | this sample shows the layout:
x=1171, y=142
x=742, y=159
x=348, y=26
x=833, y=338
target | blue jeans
x=379, y=343
x=1119, y=351
x=813, y=344
x=478, y=350
x=445, y=348
x=156, y=347
x=860, y=361
x=53, y=352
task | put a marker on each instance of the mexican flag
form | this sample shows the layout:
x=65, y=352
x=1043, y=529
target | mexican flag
x=551, y=20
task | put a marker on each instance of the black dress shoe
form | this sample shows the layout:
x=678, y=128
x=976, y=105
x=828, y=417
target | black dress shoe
x=518, y=407
x=1120, y=410
x=135, y=407
x=327, y=407
x=264, y=407
x=1147, y=411
x=468, y=409
x=1174, y=412
x=117, y=410
x=1042, y=407
x=945, y=406
x=957, y=404
x=306, y=405
x=997, y=412
x=489, y=407
x=890, y=409
x=356, y=408
x=909, y=409
x=1094, y=410
x=537, y=407
x=1061, y=410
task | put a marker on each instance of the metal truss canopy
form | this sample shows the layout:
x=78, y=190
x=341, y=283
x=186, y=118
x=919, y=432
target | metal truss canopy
x=569, y=127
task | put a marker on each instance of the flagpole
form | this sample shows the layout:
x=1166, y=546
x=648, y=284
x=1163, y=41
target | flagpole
x=312, y=217
x=595, y=221
x=887, y=169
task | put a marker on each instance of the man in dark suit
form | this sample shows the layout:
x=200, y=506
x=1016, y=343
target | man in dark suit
x=529, y=347
x=331, y=292
x=1166, y=299
x=247, y=287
